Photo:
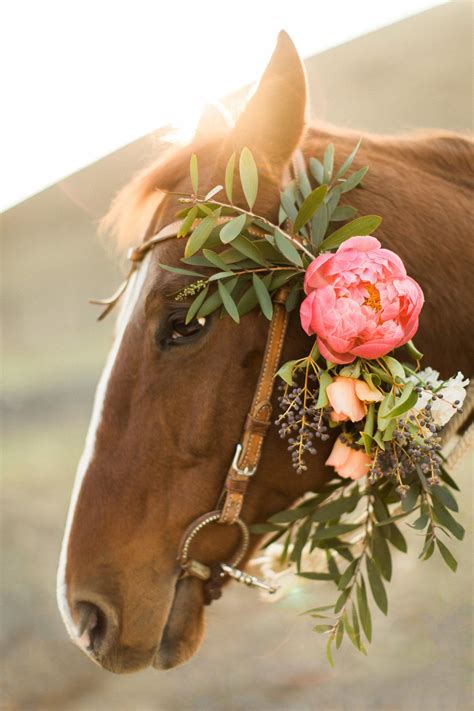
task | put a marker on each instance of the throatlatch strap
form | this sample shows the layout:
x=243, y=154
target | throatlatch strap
x=259, y=417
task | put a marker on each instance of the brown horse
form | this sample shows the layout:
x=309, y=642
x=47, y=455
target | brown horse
x=172, y=400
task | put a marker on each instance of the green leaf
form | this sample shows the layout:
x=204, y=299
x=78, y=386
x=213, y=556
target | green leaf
x=196, y=305
x=215, y=259
x=354, y=180
x=220, y=275
x=385, y=406
x=187, y=222
x=341, y=600
x=249, y=249
x=211, y=304
x=247, y=301
x=194, y=172
x=377, y=586
x=229, y=177
x=334, y=509
x=332, y=200
x=317, y=169
x=286, y=371
x=445, y=496
x=347, y=575
x=364, y=612
x=397, y=539
x=287, y=248
x=309, y=207
x=324, y=380
x=348, y=161
x=303, y=183
x=315, y=576
x=199, y=236
x=319, y=225
x=228, y=302
x=328, y=163
x=343, y=213
x=288, y=199
x=329, y=656
x=448, y=479
x=381, y=555
x=444, y=518
x=448, y=557
x=396, y=369
x=293, y=297
x=248, y=176
x=265, y=528
x=339, y=634
x=179, y=270
x=322, y=628
x=332, y=531
x=232, y=229
x=360, y=226
x=208, y=196
x=263, y=296
x=410, y=498
x=413, y=351
x=280, y=278
x=289, y=515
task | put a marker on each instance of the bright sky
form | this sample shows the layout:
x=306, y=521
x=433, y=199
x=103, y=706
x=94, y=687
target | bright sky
x=85, y=77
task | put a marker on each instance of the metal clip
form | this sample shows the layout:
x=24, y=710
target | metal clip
x=235, y=464
x=250, y=580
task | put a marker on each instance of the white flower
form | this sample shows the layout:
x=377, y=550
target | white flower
x=447, y=397
x=450, y=397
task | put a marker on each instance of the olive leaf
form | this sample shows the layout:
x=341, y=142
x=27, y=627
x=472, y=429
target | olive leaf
x=248, y=176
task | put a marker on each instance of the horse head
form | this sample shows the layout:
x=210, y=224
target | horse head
x=170, y=408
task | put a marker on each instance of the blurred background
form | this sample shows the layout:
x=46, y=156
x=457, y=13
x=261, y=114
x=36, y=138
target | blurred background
x=385, y=70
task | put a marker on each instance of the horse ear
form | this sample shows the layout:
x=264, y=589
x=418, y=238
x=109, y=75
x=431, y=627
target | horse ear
x=273, y=121
x=214, y=120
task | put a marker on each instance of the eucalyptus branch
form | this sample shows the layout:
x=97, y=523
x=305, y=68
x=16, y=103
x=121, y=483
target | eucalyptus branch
x=242, y=211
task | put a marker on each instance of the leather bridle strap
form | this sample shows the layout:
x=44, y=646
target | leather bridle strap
x=248, y=452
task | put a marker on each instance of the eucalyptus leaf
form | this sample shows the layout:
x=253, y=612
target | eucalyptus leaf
x=319, y=225
x=229, y=177
x=199, y=236
x=263, y=296
x=348, y=161
x=208, y=197
x=444, y=518
x=248, y=176
x=360, y=226
x=328, y=163
x=179, y=270
x=232, y=229
x=364, y=612
x=288, y=200
x=317, y=169
x=194, y=173
x=287, y=248
x=377, y=586
x=342, y=213
x=249, y=249
x=228, y=302
x=309, y=207
x=354, y=180
x=448, y=557
x=247, y=301
x=215, y=259
x=196, y=305
x=187, y=222
x=347, y=575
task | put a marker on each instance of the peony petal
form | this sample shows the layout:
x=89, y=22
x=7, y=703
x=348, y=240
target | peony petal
x=339, y=358
x=361, y=244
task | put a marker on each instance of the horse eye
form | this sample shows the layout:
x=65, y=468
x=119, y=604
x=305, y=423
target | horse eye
x=180, y=332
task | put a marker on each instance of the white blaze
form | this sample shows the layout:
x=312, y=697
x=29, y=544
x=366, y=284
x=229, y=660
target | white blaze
x=130, y=299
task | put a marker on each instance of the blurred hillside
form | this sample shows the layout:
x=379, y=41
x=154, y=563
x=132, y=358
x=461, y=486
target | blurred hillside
x=416, y=73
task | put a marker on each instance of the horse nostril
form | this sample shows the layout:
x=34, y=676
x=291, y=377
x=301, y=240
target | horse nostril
x=92, y=627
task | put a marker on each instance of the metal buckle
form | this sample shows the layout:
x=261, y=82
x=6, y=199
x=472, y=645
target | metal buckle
x=235, y=464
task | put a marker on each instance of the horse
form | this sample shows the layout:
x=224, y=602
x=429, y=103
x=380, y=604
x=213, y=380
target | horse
x=172, y=400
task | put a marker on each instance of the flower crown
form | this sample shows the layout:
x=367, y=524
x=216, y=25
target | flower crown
x=356, y=299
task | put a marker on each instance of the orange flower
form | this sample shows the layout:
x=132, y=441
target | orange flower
x=348, y=463
x=349, y=397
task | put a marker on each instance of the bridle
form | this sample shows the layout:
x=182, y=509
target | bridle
x=248, y=451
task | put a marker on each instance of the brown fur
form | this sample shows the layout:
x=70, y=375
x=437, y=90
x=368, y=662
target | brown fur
x=172, y=418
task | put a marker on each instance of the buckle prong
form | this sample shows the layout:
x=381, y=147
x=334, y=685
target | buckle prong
x=246, y=471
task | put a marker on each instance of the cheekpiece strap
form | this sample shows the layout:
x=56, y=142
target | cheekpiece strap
x=249, y=451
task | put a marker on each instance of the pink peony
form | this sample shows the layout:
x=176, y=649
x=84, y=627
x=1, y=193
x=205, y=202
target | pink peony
x=360, y=301
x=349, y=463
x=348, y=398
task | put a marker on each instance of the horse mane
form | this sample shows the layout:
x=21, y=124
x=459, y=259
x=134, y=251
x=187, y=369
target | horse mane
x=446, y=155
